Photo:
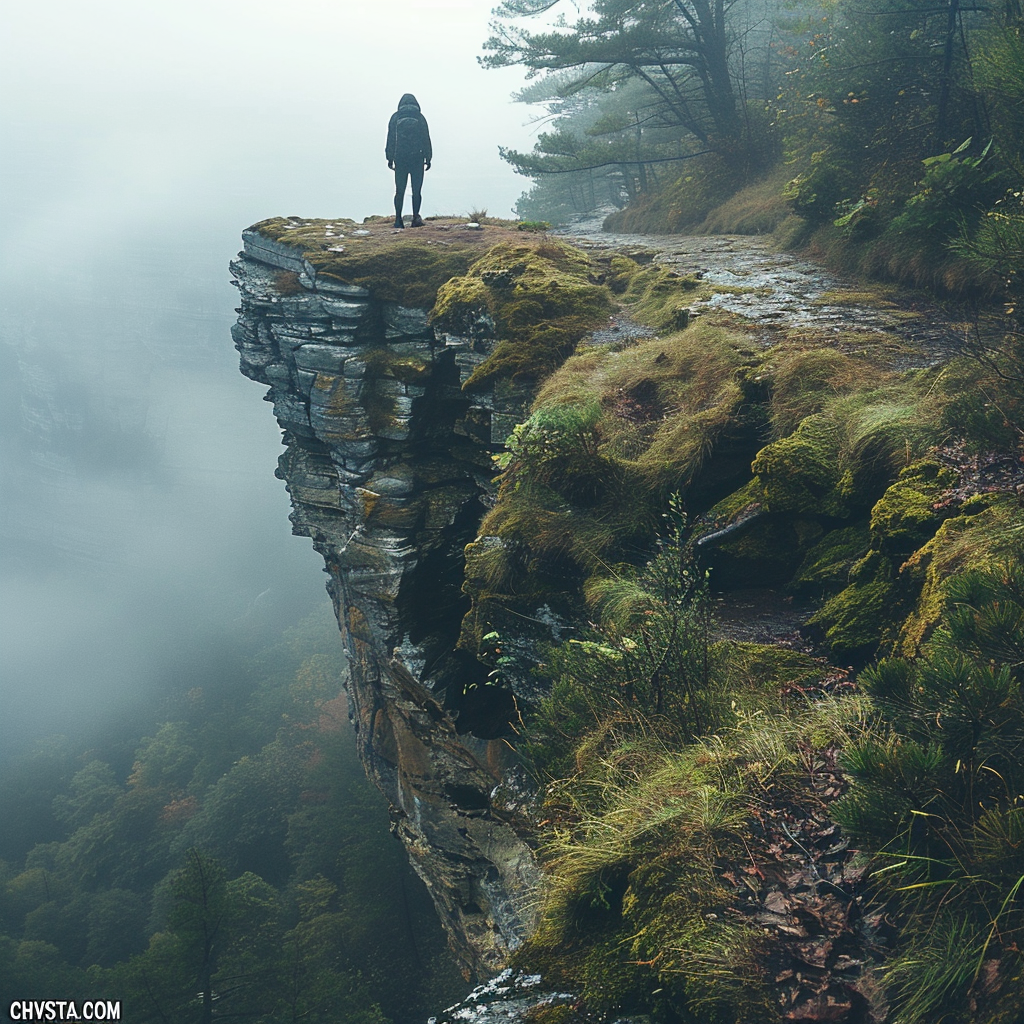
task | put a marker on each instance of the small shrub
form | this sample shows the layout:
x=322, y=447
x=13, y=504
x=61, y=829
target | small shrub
x=955, y=186
x=935, y=800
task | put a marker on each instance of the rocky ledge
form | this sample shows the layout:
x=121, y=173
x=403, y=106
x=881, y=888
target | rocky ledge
x=388, y=464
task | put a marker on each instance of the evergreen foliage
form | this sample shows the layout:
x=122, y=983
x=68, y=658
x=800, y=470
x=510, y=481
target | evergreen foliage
x=892, y=130
x=936, y=799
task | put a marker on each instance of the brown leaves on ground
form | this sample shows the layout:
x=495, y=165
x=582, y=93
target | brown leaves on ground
x=801, y=886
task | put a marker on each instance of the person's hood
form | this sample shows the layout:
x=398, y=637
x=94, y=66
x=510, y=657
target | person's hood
x=408, y=100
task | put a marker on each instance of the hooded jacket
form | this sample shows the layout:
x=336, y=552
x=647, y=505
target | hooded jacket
x=408, y=108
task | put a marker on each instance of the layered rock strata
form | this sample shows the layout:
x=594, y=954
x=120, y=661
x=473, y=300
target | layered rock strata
x=388, y=466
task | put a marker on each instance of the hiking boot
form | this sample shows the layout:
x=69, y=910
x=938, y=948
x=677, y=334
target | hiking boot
x=417, y=220
x=399, y=223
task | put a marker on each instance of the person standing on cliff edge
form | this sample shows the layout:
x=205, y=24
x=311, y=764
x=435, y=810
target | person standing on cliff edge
x=409, y=152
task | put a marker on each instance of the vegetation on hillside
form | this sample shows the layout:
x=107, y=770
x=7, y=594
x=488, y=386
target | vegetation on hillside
x=823, y=825
x=790, y=828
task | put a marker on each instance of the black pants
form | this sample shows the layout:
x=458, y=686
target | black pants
x=402, y=176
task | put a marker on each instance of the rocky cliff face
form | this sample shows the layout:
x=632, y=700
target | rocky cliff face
x=388, y=466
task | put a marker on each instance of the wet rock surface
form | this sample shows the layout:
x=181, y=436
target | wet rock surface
x=510, y=997
x=777, y=289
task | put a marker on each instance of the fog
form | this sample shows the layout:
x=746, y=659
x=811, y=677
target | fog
x=143, y=536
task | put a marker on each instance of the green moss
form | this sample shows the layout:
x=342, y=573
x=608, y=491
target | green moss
x=801, y=472
x=409, y=274
x=302, y=232
x=989, y=528
x=385, y=362
x=542, y=303
x=742, y=500
x=854, y=623
x=827, y=565
x=839, y=461
x=655, y=294
x=896, y=593
x=622, y=271
x=407, y=268
x=909, y=512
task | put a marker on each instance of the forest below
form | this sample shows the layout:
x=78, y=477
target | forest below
x=233, y=863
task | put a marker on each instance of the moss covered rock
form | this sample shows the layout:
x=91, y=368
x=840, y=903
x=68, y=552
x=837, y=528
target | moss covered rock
x=827, y=565
x=988, y=529
x=541, y=300
x=405, y=267
x=852, y=625
x=838, y=462
x=802, y=472
x=909, y=512
x=656, y=294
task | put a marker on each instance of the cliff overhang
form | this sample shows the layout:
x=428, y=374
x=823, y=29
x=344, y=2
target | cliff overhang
x=388, y=464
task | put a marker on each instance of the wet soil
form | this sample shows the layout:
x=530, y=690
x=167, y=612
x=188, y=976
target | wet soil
x=761, y=615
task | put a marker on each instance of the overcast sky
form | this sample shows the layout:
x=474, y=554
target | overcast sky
x=141, y=527
x=125, y=107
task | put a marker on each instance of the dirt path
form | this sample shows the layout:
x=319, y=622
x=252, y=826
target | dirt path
x=781, y=290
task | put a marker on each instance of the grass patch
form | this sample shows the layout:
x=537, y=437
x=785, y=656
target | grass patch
x=879, y=296
x=633, y=912
x=908, y=258
x=586, y=479
x=804, y=381
x=757, y=209
x=839, y=460
x=657, y=295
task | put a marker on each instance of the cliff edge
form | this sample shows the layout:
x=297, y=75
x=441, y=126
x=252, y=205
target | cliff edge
x=388, y=466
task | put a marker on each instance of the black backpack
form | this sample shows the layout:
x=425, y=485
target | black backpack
x=410, y=139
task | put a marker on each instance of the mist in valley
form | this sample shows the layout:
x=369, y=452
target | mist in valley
x=145, y=540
